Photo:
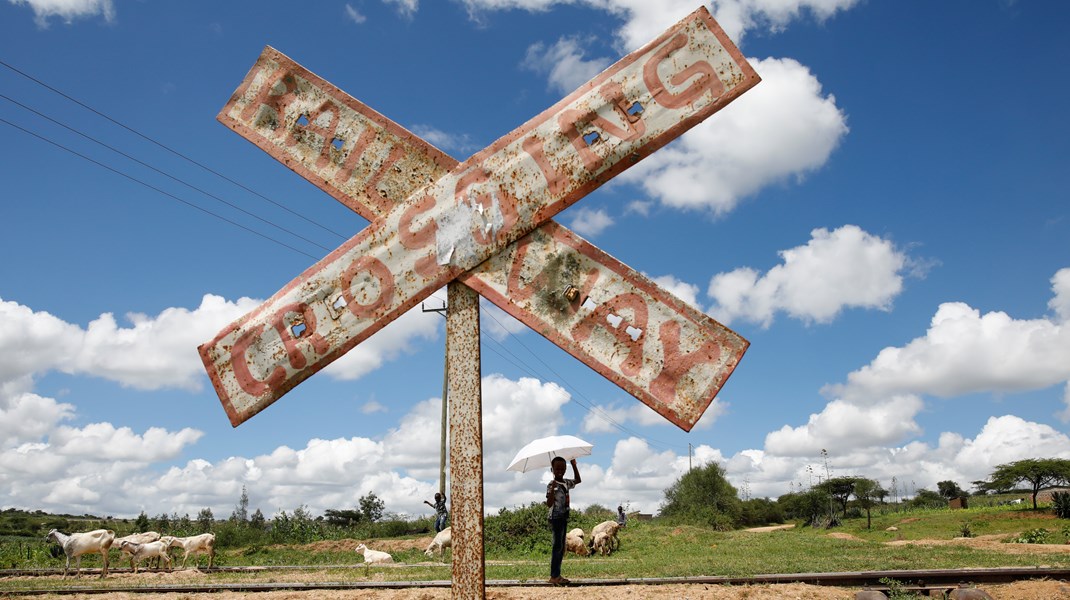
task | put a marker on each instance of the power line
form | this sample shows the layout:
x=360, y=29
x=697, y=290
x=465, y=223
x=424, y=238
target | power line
x=165, y=174
x=169, y=149
x=154, y=188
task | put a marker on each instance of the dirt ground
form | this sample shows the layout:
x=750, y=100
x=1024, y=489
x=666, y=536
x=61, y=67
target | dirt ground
x=1023, y=590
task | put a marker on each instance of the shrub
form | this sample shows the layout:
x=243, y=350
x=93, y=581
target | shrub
x=964, y=530
x=1032, y=536
x=525, y=529
x=1060, y=502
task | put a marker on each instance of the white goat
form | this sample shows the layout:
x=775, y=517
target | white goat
x=443, y=540
x=609, y=529
x=197, y=544
x=574, y=542
x=77, y=544
x=139, y=552
x=601, y=544
x=374, y=557
x=137, y=538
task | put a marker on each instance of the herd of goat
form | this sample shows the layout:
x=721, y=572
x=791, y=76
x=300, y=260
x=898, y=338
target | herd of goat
x=138, y=547
x=145, y=546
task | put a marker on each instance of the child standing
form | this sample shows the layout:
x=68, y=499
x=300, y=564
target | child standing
x=557, y=498
x=440, y=511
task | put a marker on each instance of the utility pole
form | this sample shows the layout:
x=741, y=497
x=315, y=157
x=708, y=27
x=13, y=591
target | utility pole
x=445, y=419
x=689, y=457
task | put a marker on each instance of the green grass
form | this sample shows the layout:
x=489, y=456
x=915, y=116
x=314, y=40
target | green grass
x=653, y=549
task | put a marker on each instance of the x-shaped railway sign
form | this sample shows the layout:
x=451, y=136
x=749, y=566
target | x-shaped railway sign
x=486, y=222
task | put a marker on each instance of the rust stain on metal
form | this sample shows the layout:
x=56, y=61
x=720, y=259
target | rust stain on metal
x=466, y=441
x=471, y=213
x=666, y=353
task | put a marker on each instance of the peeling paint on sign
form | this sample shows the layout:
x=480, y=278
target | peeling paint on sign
x=474, y=211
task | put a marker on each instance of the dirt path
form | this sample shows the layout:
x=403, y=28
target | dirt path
x=1023, y=590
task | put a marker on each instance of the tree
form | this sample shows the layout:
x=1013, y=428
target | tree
x=949, y=489
x=866, y=492
x=371, y=507
x=343, y=517
x=205, y=520
x=927, y=499
x=142, y=522
x=840, y=488
x=1039, y=472
x=257, y=521
x=703, y=495
x=241, y=512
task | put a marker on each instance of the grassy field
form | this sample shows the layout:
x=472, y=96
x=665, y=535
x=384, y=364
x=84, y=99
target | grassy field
x=654, y=549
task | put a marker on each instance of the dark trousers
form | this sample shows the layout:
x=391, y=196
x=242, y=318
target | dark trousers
x=558, y=526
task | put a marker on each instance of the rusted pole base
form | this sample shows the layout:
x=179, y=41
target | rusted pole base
x=466, y=442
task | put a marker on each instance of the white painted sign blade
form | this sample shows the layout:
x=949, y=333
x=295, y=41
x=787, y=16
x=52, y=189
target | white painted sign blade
x=473, y=212
x=677, y=370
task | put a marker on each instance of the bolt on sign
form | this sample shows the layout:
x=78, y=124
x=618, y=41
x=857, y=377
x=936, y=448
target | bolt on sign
x=486, y=222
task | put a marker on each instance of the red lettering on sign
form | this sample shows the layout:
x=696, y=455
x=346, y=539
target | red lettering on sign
x=598, y=318
x=293, y=330
x=349, y=168
x=555, y=182
x=326, y=133
x=243, y=375
x=278, y=102
x=378, y=270
x=676, y=364
x=506, y=203
x=422, y=237
x=707, y=79
x=294, y=334
x=573, y=123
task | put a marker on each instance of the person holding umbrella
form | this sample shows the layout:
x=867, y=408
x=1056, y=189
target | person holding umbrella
x=557, y=499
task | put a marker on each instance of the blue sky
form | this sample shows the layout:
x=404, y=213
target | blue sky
x=884, y=217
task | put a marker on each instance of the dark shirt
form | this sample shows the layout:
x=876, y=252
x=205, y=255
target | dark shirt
x=561, y=500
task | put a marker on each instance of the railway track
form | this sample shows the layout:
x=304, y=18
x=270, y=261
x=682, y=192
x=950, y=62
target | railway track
x=922, y=581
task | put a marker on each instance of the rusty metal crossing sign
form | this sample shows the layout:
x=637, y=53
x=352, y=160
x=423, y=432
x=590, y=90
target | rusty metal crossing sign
x=487, y=223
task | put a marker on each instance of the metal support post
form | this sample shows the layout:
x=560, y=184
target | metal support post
x=466, y=442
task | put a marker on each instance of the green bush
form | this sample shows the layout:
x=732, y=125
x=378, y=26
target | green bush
x=1060, y=502
x=522, y=529
x=964, y=530
x=1032, y=536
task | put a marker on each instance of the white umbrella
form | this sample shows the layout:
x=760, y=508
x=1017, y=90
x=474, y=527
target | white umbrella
x=538, y=454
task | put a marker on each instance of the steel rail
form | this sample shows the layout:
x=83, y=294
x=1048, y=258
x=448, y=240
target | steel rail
x=919, y=580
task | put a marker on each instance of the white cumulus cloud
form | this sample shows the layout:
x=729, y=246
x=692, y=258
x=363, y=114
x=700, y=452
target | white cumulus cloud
x=67, y=10
x=964, y=352
x=781, y=129
x=835, y=270
x=590, y=221
x=564, y=63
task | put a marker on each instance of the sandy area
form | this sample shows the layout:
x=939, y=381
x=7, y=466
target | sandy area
x=1029, y=590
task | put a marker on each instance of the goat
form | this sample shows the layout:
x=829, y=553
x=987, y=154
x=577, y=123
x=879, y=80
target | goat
x=574, y=542
x=374, y=557
x=602, y=544
x=197, y=544
x=610, y=529
x=77, y=544
x=443, y=540
x=137, y=538
x=139, y=552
